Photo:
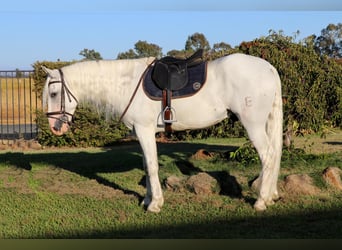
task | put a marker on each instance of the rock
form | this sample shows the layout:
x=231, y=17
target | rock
x=202, y=154
x=332, y=176
x=174, y=183
x=33, y=144
x=300, y=184
x=203, y=184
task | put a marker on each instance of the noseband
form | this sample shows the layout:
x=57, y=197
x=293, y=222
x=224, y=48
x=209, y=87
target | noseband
x=62, y=111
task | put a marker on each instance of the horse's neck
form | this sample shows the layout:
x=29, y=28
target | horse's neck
x=106, y=84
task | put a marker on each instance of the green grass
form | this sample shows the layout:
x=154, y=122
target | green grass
x=95, y=193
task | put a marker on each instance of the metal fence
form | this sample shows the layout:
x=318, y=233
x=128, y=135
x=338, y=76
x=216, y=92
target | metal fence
x=18, y=105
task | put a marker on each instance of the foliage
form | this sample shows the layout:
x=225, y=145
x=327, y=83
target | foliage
x=142, y=49
x=197, y=41
x=90, y=54
x=245, y=155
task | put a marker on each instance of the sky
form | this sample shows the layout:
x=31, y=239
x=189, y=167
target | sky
x=38, y=30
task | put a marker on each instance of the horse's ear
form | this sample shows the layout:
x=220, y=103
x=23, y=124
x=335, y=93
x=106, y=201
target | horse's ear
x=46, y=70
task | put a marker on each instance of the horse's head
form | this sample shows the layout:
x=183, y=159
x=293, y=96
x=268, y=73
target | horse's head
x=61, y=103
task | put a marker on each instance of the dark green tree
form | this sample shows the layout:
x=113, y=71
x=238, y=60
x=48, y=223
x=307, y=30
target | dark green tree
x=220, y=49
x=197, y=41
x=142, y=49
x=90, y=54
x=145, y=49
x=177, y=53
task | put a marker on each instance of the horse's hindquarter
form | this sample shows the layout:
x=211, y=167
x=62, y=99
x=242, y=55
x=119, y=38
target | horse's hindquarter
x=251, y=83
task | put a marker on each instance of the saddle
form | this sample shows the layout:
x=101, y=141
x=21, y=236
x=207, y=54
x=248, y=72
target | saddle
x=171, y=75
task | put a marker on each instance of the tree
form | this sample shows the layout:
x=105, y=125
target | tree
x=177, y=53
x=90, y=54
x=130, y=54
x=142, y=49
x=197, y=41
x=330, y=41
x=145, y=49
x=220, y=49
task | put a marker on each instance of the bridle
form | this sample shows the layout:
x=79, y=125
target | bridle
x=62, y=111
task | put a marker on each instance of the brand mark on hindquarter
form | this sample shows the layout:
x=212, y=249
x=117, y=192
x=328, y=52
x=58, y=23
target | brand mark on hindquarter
x=248, y=101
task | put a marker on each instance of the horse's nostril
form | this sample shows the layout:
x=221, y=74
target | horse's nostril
x=58, y=125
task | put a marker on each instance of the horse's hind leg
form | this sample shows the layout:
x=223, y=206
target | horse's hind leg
x=154, y=197
x=269, y=174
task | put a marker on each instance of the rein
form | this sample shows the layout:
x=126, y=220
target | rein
x=136, y=90
x=62, y=111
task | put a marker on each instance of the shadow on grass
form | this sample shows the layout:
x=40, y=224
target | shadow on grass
x=310, y=223
x=333, y=142
x=83, y=163
x=120, y=158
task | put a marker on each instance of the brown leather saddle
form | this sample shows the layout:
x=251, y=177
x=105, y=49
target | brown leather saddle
x=170, y=78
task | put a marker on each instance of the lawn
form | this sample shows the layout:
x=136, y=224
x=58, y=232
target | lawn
x=95, y=193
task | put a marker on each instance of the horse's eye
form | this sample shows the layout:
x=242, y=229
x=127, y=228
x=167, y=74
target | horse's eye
x=52, y=95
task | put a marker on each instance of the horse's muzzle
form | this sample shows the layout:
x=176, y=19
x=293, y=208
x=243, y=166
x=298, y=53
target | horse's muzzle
x=59, y=125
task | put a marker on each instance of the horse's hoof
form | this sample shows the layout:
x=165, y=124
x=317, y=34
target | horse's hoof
x=260, y=206
x=270, y=203
x=154, y=207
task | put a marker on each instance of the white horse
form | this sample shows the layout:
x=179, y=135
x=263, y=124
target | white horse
x=248, y=86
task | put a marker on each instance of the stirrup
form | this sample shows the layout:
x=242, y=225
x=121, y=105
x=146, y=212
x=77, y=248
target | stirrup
x=172, y=112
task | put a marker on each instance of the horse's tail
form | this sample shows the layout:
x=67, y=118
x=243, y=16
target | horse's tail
x=274, y=128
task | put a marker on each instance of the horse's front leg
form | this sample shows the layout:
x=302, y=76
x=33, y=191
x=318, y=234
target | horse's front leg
x=154, y=196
